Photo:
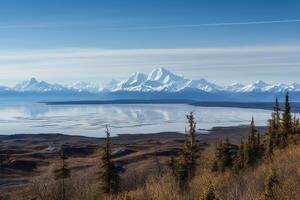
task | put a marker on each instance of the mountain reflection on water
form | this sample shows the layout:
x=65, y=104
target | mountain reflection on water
x=89, y=120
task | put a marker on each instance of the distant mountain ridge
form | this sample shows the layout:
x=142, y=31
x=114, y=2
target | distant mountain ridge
x=163, y=80
x=160, y=83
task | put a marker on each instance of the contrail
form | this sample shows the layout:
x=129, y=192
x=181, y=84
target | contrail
x=225, y=24
x=96, y=24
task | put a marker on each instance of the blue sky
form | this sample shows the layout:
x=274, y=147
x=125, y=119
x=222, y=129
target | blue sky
x=64, y=41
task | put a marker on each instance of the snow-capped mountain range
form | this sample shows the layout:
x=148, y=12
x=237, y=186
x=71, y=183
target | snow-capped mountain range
x=159, y=80
x=163, y=80
x=38, y=86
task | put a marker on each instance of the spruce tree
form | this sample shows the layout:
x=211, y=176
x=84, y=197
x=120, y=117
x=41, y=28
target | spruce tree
x=273, y=135
x=286, y=122
x=270, y=137
x=270, y=185
x=63, y=172
x=226, y=158
x=277, y=113
x=108, y=174
x=252, y=148
x=186, y=164
x=258, y=147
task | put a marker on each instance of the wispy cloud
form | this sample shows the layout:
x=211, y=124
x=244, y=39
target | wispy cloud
x=82, y=53
x=221, y=65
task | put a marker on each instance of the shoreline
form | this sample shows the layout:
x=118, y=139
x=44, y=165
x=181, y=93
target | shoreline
x=232, y=132
x=227, y=104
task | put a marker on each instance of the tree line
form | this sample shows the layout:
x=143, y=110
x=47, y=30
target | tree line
x=281, y=129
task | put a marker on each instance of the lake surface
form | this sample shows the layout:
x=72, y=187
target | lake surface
x=90, y=120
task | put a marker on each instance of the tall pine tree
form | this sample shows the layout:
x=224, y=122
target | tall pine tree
x=108, y=174
x=273, y=135
x=270, y=137
x=187, y=162
x=287, y=126
x=252, y=148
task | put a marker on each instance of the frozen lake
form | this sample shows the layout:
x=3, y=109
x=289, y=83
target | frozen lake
x=89, y=120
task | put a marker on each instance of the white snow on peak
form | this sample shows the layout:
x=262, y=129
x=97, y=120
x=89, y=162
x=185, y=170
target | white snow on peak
x=34, y=85
x=162, y=79
x=261, y=86
x=164, y=76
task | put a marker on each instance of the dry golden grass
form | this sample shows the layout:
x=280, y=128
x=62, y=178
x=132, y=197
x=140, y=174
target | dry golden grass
x=247, y=185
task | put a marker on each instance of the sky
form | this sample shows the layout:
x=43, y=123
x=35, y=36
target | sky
x=222, y=41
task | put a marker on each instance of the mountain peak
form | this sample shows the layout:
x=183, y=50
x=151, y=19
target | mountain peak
x=34, y=85
x=163, y=75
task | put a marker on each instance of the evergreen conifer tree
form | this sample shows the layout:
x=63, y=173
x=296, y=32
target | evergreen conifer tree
x=286, y=122
x=273, y=135
x=108, y=174
x=252, y=148
x=270, y=137
x=63, y=172
x=186, y=164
